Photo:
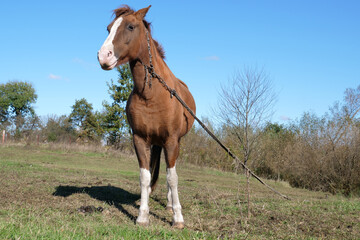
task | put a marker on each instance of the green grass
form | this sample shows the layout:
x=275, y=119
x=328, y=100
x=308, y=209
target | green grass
x=41, y=189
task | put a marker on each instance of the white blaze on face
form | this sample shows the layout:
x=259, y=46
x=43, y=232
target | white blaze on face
x=106, y=54
x=108, y=44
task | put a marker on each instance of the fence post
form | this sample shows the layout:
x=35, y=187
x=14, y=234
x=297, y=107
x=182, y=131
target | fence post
x=3, y=137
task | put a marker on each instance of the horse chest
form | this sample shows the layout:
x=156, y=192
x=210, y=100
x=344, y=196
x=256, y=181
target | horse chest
x=152, y=118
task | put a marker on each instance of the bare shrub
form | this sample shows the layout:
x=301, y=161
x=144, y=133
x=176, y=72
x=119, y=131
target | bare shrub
x=317, y=153
x=200, y=149
x=326, y=153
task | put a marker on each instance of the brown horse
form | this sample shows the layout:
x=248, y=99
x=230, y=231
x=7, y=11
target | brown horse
x=157, y=120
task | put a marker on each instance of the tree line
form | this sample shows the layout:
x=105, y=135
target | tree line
x=314, y=152
x=83, y=125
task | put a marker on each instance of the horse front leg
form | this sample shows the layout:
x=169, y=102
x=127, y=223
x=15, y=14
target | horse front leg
x=169, y=199
x=143, y=154
x=171, y=154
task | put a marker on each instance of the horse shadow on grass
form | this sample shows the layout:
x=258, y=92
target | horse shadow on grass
x=111, y=195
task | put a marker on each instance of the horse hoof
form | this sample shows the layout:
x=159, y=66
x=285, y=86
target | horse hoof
x=178, y=225
x=143, y=224
x=169, y=210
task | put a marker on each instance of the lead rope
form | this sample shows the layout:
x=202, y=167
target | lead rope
x=150, y=70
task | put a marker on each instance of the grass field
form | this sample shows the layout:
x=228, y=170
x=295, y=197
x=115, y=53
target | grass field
x=41, y=189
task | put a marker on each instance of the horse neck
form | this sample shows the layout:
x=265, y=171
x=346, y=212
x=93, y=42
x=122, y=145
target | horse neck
x=138, y=72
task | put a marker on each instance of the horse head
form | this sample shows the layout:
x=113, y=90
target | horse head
x=126, y=37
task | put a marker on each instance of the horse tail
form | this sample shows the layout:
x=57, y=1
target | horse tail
x=154, y=165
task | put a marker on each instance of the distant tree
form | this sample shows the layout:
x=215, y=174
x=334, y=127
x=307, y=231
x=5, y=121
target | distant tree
x=81, y=111
x=30, y=126
x=16, y=103
x=85, y=121
x=114, y=120
x=344, y=117
x=245, y=104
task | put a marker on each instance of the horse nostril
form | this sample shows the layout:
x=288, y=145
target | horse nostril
x=110, y=54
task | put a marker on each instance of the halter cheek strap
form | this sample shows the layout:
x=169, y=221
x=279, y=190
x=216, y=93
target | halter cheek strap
x=149, y=69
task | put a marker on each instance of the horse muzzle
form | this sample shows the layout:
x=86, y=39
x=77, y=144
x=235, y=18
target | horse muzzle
x=107, y=59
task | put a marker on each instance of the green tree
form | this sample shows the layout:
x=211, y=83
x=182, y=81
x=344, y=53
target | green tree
x=114, y=120
x=16, y=103
x=85, y=121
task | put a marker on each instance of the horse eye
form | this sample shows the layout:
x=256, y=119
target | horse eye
x=130, y=27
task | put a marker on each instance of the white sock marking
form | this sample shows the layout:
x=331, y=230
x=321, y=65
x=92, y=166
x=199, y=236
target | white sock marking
x=145, y=178
x=169, y=198
x=172, y=179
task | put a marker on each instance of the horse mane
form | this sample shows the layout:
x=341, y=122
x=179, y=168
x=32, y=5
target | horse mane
x=126, y=10
x=123, y=10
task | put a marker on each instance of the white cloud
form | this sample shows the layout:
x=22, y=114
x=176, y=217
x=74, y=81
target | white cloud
x=285, y=118
x=55, y=77
x=212, y=58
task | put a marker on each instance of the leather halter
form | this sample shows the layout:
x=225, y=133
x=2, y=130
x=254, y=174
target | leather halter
x=149, y=69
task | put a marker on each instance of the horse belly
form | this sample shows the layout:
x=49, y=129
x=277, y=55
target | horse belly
x=154, y=123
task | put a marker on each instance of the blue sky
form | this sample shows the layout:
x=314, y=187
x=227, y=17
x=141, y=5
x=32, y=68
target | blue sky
x=310, y=49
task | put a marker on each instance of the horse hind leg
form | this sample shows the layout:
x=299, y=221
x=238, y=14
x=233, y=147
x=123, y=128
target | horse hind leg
x=171, y=154
x=155, y=165
x=172, y=178
x=154, y=169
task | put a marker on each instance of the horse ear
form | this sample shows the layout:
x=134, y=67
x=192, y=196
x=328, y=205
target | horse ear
x=142, y=12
